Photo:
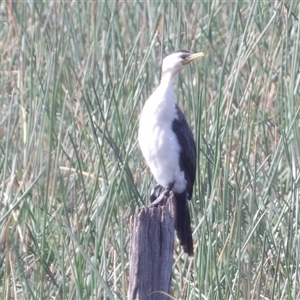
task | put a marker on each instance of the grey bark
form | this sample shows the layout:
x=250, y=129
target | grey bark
x=151, y=254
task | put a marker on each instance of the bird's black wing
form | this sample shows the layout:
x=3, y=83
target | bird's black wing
x=188, y=155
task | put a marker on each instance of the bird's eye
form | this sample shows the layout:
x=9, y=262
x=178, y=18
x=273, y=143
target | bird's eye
x=185, y=55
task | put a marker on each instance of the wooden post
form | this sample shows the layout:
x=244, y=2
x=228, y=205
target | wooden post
x=151, y=254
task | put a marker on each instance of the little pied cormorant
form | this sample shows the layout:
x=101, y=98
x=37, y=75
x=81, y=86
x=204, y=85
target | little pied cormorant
x=168, y=146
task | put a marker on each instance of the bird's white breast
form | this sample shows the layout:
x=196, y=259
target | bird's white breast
x=158, y=142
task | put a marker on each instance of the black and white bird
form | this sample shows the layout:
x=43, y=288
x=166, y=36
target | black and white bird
x=168, y=146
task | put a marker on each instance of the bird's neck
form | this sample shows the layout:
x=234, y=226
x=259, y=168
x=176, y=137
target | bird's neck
x=162, y=101
x=167, y=79
x=166, y=86
x=166, y=90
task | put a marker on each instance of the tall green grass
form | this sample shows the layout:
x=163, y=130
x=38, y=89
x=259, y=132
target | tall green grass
x=73, y=79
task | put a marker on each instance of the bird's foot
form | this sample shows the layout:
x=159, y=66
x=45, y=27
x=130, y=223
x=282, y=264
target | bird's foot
x=160, y=198
x=157, y=190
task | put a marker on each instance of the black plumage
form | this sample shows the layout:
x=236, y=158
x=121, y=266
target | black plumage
x=187, y=160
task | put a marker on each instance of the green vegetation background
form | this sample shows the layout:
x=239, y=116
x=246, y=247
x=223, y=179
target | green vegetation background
x=74, y=76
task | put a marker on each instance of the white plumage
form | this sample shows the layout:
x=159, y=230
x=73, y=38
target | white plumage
x=158, y=141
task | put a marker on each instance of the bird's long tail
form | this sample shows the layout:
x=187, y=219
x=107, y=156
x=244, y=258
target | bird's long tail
x=182, y=222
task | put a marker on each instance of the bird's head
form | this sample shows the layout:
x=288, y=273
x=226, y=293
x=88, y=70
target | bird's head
x=176, y=61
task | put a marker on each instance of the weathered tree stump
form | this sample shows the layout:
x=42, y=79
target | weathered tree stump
x=151, y=254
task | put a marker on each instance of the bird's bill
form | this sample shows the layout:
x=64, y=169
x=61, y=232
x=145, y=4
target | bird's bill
x=193, y=57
